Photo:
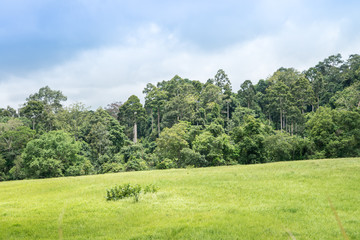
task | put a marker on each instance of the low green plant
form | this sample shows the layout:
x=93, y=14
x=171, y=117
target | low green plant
x=123, y=191
x=127, y=190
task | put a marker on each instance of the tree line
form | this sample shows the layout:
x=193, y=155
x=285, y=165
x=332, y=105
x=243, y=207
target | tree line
x=291, y=115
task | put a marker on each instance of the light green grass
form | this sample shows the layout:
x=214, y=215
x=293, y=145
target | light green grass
x=283, y=200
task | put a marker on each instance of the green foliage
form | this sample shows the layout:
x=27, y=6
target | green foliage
x=181, y=102
x=135, y=164
x=240, y=114
x=172, y=141
x=131, y=112
x=52, y=154
x=80, y=168
x=123, y=191
x=17, y=171
x=35, y=111
x=73, y=119
x=216, y=149
x=278, y=147
x=103, y=135
x=13, y=138
x=112, y=167
x=189, y=157
x=246, y=94
x=128, y=190
x=249, y=141
x=335, y=132
x=48, y=97
x=166, y=164
x=189, y=123
x=349, y=98
x=222, y=81
x=2, y=168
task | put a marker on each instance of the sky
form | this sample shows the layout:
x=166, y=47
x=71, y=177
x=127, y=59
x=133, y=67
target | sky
x=103, y=51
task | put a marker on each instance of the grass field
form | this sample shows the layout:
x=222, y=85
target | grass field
x=285, y=200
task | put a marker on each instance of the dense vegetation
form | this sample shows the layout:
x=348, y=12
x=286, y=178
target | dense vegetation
x=291, y=115
x=282, y=200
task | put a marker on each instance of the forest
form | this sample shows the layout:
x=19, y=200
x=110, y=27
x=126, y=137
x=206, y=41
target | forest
x=291, y=115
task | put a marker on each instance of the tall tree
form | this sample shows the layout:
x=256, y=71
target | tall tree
x=278, y=98
x=302, y=92
x=132, y=113
x=182, y=101
x=223, y=82
x=349, y=98
x=331, y=69
x=352, y=74
x=34, y=111
x=72, y=119
x=51, y=101
x=50, y=98
x=317, y=83
x=247, y=93
x=210, y=100
x=155, y=100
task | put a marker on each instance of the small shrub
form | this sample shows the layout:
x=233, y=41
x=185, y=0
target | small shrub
x=128, y=190
x=123, y=191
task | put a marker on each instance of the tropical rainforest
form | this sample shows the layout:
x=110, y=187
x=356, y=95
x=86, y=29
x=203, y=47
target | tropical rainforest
x=291, y=115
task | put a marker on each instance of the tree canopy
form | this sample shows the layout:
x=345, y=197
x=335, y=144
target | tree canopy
x=290, y=115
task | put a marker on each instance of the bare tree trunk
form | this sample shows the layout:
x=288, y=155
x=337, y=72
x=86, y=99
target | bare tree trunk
x=281, y=123
x=269, y=118
x=135, y=132
x=152, y=120
x=158, y=121
x=227, y=112
x=178, y=114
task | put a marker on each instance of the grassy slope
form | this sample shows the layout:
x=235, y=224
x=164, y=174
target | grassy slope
x=237, y=202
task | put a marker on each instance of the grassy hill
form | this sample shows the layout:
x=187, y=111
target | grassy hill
x=285, y=200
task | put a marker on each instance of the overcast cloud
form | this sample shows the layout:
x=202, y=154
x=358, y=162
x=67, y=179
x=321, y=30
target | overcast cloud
x=150, y=49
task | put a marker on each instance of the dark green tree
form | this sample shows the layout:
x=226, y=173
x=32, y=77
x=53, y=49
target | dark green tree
x=14, y=136
x=131, y=114
x=249, y=141
x=278, y=96
x=35, y=112
x=54, y=154
x=50, y=98
x=172, y=141
x=246, y=94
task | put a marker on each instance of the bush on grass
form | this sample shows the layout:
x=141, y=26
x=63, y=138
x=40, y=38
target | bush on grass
x=128, y=190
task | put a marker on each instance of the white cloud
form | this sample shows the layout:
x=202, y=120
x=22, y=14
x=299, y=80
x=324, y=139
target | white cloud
x=97, y=77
